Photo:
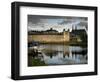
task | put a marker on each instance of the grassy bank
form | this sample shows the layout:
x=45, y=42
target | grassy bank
x=67, y=43
x=35, y=62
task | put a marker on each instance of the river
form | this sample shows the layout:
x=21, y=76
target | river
x=59, y=55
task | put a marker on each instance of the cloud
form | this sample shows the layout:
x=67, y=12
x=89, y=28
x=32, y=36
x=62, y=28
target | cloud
x=40, y=22
x=66, y=22
x=73, y=20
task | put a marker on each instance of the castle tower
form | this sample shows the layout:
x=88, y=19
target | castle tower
x=66, y=35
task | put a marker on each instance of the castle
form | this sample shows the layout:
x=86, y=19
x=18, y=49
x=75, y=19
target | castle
x=53, y=36
x=49, y=36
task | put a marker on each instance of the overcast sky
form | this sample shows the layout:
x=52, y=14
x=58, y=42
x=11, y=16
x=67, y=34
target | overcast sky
x=40, y=22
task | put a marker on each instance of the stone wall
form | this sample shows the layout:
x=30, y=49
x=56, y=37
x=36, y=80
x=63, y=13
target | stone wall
x=54, y=38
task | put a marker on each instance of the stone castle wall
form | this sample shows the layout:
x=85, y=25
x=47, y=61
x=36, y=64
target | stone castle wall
x=50, y=38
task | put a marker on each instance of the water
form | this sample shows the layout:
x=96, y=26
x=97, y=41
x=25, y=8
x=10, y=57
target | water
x=59, y=55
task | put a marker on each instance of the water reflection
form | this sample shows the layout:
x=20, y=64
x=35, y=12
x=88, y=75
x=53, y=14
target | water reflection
x=61, y=54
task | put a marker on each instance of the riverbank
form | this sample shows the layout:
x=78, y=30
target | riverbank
x=67, y=43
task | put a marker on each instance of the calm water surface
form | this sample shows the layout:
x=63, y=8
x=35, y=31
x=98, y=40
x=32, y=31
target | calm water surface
x=60, y=55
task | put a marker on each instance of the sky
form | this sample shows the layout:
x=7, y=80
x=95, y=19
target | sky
x=43, y=22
